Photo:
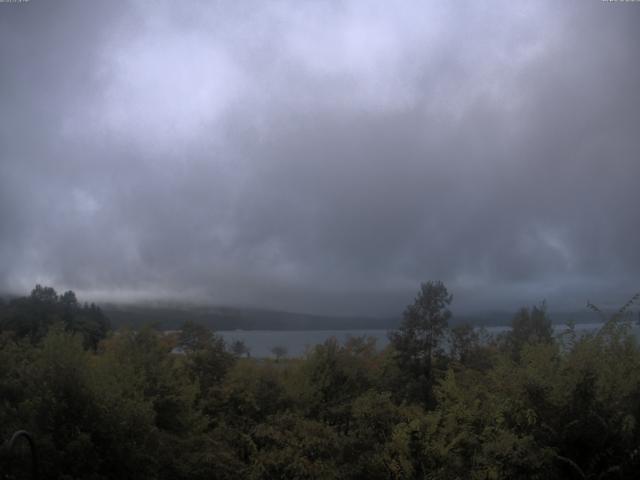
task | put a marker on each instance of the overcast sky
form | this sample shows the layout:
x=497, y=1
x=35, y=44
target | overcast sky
x=321, y=156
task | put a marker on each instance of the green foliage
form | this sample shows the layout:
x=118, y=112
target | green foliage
x=143, y=405
x=334, y=375
x=239, y=349
x=252, y=392
x=206, y=363
x=419, y=338
x=529, y=326
x=291, y=446
x=468, y=347
x=31, y=317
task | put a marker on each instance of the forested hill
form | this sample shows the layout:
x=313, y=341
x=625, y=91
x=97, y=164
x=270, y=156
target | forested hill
x=172, y=316
x=229, y=318
x=166, y=317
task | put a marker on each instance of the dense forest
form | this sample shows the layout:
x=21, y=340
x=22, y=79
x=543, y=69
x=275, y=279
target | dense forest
x=439, y=402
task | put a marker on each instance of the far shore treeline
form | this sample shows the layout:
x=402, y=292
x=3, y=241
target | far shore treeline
x=105, y=402
x=168, y=316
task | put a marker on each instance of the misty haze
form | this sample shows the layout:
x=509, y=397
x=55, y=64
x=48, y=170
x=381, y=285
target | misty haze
x=316, y=240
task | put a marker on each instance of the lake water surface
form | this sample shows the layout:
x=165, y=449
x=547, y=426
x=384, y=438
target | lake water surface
x=296, y=342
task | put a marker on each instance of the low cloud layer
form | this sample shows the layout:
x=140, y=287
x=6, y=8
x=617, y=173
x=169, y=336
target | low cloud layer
x=323, y=156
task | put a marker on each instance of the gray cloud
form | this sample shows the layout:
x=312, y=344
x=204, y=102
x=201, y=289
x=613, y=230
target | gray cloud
x=323, y=157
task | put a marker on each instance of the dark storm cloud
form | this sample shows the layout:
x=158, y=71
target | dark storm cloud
x=321, y=157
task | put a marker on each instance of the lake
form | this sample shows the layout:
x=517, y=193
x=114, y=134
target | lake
x=260, y=342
